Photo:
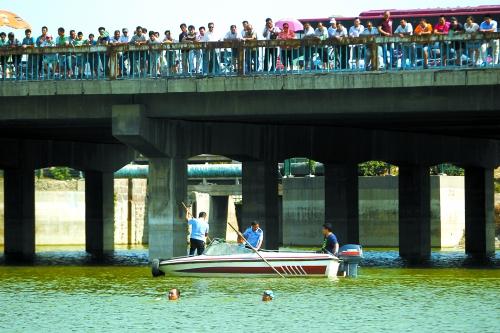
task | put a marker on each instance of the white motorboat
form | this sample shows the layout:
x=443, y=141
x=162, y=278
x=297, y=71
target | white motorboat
x=232, y=260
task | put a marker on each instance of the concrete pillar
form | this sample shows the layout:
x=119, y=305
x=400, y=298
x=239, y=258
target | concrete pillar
x=218, y=216
x=260, y=199
x=414, y=212
x=341, y=201
x=99, y=212
x=479, y=212
x=19, y=213
x=167, y=189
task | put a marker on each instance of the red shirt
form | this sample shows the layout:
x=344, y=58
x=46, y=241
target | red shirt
x=442, y=28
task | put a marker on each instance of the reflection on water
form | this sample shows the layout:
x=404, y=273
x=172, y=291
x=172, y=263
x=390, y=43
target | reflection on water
x=67, y=291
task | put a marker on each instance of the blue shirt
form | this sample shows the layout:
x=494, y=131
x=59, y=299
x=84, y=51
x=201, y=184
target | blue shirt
x=254, y=237
x=486, y=26
x=29, y=41
x=329, y=243
x=199, y=228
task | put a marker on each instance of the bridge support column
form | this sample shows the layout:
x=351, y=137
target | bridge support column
x=99, y=212
x=341, y=201
x=218, y=216
x=260, y=199
x=19, y=213
x=479, y=212
x=414, y=212
x=167, y=189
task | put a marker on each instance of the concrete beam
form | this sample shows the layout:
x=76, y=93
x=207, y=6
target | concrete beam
x=479, y=212
x=19, y=213
x=167, y=189
x=414, y=212
x=341, y=201
x=99, y=212
x=218, y=216
x=260, y=199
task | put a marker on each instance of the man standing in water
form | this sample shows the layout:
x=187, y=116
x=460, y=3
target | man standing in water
x=199, y=231
x=330, y=242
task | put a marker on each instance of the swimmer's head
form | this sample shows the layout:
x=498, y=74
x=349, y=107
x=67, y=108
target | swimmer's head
x=174, y=294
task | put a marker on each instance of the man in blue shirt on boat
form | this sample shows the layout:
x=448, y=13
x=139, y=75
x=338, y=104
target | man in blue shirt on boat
x=199, y=232
x=330, y=242
x=254, y=235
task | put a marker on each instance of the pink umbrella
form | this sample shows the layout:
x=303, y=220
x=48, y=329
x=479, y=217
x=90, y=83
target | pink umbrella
x=293, y=24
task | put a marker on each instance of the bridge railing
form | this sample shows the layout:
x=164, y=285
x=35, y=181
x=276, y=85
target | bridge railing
x=239, y=58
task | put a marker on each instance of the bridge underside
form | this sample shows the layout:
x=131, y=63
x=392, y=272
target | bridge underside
x=414, y=127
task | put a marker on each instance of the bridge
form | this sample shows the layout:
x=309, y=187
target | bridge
x=412, y=118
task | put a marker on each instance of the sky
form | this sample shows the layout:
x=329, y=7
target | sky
x=158, y=15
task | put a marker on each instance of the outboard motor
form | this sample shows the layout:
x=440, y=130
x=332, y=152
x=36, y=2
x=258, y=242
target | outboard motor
x=350, y=255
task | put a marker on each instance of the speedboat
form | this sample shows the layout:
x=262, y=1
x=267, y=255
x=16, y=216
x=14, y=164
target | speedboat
x=222, y=259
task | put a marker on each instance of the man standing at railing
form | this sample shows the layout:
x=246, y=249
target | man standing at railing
x=103, y=40
x=232, y=36
x=408, y=51
x=354, y=32
x=424, y=29
x=370, y=30
x=489, y=25
x=457, y=28
x=3, y=59
x=63, y=41
x=385, y=30
x=80, y=61
x=251, y=54
x=270, y=32
x=124, y=62
x=340, y=51
x=442, y=49
x=39, y=41
x=213, y=56
x=137, y=56
x=154, y=55
x=16, y=65
x=31, y=65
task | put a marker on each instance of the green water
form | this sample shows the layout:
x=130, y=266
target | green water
x=127, y=298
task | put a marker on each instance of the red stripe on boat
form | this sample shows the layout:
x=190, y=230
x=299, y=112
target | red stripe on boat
x=312, y=270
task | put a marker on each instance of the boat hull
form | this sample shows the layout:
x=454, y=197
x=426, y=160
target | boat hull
x=292, y=265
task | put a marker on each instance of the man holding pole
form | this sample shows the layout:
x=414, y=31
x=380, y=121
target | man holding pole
x=199, y=232
x=254, y=235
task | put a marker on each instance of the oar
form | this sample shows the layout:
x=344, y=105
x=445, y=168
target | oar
x=255, y=250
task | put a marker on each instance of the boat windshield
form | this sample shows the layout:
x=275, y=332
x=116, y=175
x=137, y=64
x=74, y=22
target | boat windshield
x=221, y=248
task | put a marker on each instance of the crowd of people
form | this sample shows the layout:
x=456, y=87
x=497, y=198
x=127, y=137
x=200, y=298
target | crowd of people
x=212, y=61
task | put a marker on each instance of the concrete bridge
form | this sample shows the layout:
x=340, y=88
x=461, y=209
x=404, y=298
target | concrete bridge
x=412, y=119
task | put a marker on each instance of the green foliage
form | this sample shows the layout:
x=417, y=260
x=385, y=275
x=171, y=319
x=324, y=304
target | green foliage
x=373, y=168
x=61, y=173
x=447, y=169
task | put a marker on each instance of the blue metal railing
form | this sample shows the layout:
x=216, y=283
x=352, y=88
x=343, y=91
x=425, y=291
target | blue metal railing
x=239, y=58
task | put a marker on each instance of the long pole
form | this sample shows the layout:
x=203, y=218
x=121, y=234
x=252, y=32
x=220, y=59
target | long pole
x=255, y=250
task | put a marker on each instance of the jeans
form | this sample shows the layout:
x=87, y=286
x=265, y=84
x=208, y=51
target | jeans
x=196, y=245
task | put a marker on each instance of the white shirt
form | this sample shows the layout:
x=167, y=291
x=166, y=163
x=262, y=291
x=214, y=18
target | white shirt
x=321, y=34
x=341, y=33
x=212, y=36
x=203, y=38
x=407, y=30
x=474, y=27
x=371, y=32
x=231, y=36
x=309, y=32
x=112, y=40
x=356, y=31
x=267, y=34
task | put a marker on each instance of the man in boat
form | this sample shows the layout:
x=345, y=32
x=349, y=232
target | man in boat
x=254, y=235
x=199, y=232
x=330, y=242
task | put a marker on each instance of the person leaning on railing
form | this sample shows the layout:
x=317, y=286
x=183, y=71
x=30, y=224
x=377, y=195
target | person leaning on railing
x=308, y=50
x=287, y=53
x=341, y=56
x=270, y=54
x=370, y=30
x=137, y=58
x=14, y=61
x=63, y=61
x=458, y=47
x=424, y=29
x=80, y=59
x=472, y=28
x=232, y=36
x=441, y=49
x=251, y=53
x=487, y=26
x=408, y=51
x=321, y=33
x=31, y=64
x=354, y=32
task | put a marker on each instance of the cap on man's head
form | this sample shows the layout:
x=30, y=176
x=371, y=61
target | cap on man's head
x=328, y=227
x=124, y=30
x=333, y=20
x=269, y=293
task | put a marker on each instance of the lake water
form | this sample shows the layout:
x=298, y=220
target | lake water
x=67, y=291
